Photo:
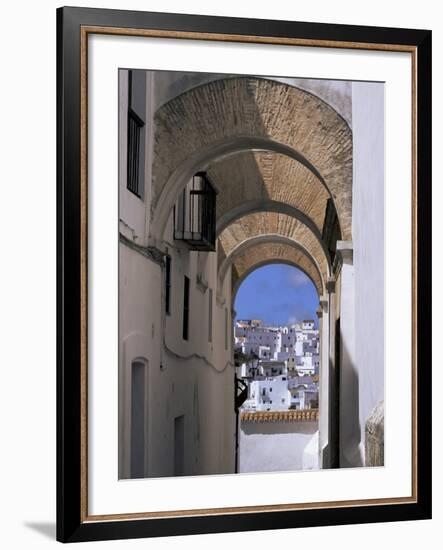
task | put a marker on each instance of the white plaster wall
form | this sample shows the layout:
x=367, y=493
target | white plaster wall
x=139, y=327
x=323, y=395
x=183, y=377
x=134, y=213
x=278, y=446
x=368, y=240
x=193, y=378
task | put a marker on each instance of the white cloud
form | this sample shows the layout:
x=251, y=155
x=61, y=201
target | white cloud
x=297, y=278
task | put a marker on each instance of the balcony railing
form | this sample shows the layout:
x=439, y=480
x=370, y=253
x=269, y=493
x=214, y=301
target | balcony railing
x=194, y=214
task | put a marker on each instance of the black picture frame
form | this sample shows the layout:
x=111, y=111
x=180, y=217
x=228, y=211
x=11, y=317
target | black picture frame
x=72, y=526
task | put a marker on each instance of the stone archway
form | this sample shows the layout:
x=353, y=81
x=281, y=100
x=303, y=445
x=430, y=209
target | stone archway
x=300, y=150
x=314, y=271
x=274, y=252
x=250, y=180
x=273, y=227
x=204, y=124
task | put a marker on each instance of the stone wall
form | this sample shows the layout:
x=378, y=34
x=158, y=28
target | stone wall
x=375, y=437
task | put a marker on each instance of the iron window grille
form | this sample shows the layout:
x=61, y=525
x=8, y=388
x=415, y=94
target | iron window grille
x=135, y=125
x=331, y=229
x=194, y=214
x=168, y=285
x=186, y=308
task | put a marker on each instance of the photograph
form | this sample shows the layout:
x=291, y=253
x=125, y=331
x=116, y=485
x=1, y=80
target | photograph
x=251, y=273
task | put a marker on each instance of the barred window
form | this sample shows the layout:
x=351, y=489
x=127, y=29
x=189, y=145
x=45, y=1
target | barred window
x=194, y=214
x=168, y=285
x=210, y=298
x=135, y=124
x=136, y=132
x=186, y=308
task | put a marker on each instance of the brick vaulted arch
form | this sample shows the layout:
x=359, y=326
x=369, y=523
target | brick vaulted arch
x=265, y=253
x=227, y=116
x=270, y=227
x=258, y=178
x=240, y=255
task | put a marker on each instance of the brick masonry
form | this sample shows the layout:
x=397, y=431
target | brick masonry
x=250, y=107
x=264, y=223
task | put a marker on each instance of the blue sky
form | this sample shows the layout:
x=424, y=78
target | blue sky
x=278, y=294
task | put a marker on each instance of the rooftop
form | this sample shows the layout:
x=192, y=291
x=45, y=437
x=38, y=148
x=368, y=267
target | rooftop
x=308, y=415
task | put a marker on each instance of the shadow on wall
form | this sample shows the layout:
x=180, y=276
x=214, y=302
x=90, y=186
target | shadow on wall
x=353, y=450
x=350, y=436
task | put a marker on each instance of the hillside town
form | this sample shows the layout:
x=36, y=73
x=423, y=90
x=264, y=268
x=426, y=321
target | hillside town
x=278, y=365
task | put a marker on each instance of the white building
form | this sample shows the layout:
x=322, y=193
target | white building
x=175, y=323
x=304, y=395
x=276, y=342
x=309, y=364
x=271, y=369
x=261, y=341
x=297, y=345
x=270, y=394
x=249, y=370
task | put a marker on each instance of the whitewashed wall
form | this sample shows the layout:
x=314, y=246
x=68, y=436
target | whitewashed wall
x=193, y=378
x=368, y=240
x=134, y=213
x=278, y=446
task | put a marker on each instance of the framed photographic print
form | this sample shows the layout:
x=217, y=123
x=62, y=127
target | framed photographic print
x=244, y=274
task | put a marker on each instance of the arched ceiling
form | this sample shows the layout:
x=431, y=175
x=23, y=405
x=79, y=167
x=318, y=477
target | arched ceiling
x=266, y=253
x=237, y=114
x=272, y=226
x=263, y=176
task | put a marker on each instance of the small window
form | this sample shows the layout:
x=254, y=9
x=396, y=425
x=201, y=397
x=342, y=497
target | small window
x=186, y=308
x=210, y=298
x=136, y=134
x=226, y=328
x=135, y=125
x=168, y=285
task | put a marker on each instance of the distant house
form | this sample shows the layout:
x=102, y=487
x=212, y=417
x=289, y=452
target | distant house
x=270, y=394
